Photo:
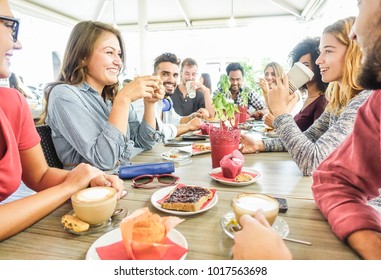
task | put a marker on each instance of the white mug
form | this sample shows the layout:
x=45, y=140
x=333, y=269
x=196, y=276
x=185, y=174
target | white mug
x=298, y=75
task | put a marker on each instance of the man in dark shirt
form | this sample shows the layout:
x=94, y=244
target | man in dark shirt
x=185, y=105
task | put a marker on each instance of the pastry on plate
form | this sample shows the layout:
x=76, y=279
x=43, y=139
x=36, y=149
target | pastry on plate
x=187, y=198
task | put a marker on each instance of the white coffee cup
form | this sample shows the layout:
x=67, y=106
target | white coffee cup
x=94, y=205
x=298, y=75
x=250, y=203
x=190, y=85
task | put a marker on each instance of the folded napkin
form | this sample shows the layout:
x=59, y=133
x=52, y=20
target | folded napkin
x=182, y=185
x=231, y=164
x=117, y=251
x=144, y=237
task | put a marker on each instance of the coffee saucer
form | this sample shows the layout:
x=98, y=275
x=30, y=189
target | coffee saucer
x=106, y=226
x=230, y=225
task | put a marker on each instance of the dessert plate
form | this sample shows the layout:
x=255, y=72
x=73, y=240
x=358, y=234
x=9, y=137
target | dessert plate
x=116, y=235
x=197, y=148
x=165, y=191
x=215, y=174
x=110, y=224
x=261, y=128
x=176, y=154
x=229, y=225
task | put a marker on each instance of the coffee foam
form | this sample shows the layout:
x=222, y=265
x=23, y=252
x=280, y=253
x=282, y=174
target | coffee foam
x=252, y=203
x=94, y=194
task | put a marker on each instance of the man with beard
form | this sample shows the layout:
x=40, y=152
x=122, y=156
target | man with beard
x=184, y=104
x=166, y=66
x=351, y=176
x=256, y=102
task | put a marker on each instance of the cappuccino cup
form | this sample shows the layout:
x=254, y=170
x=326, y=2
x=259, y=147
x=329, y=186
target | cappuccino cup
x=94, y=205
x=190, y=85
x=249, y=203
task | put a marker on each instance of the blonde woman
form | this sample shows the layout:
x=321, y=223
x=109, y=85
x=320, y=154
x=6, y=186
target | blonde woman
x=274, y=70
x=339, y=63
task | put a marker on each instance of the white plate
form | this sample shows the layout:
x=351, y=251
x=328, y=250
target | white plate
x=176, y=154
x=258, y=128
x=164, y=191
x=116, y=235
x=235, y=184
x=228, y=223
x=261, y=129
x=195, y=152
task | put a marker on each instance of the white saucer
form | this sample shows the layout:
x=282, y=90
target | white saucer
x=232, y=183
x=195, y=152
x=229, y=225
x=116, y=235
x=164, y=191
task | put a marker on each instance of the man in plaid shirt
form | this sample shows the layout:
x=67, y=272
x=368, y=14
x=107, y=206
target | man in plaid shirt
x=256, y=103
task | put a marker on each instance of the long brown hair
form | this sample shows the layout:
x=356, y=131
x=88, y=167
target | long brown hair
x=339, y=95
x=80, y=46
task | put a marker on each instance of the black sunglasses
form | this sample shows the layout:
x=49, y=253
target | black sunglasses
x=142, y=181
x=12, y=23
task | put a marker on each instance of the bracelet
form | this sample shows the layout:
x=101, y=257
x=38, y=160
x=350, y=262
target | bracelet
x=191, y=116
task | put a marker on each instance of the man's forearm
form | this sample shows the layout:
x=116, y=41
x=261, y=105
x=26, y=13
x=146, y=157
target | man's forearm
x=367, y=243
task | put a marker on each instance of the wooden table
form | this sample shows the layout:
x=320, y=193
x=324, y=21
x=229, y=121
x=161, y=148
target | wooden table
x=280, y=176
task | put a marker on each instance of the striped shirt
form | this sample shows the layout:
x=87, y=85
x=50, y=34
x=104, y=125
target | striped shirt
x=312, y=146
x=78, y=117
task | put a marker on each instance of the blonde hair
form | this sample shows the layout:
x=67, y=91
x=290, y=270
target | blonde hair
x=339, y=95
x=278, y=69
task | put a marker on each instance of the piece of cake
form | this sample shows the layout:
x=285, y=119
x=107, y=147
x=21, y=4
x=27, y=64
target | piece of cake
x=187, y=198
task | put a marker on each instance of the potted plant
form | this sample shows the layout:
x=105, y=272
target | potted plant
x=224, y=104
x=224, y=138
x=243, y=104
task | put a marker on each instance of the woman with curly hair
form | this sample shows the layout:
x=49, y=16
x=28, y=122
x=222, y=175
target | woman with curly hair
x=306, y=52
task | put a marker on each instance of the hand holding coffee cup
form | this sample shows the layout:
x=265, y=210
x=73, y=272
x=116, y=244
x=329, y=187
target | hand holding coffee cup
x=94, y=205
x=298, y=75
x=191, y=88
x=250, y=203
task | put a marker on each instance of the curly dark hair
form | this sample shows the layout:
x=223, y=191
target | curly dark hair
x=309, y=46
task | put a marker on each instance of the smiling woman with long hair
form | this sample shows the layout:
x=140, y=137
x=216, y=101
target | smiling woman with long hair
x=92, y=120
x=339, y=63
